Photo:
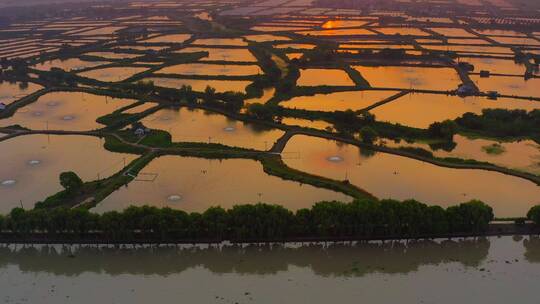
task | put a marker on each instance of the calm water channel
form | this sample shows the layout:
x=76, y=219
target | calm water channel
x=493, y=270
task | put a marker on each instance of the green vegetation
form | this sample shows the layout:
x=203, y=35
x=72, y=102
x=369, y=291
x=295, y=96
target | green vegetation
x=71, y=182
x=59, y=77
x=261, y=112
x=260, y=222
x=502, y=123
x=368, y=135
x=88, y=194
x=534, y=214
x=446, y=129
x=114, y=144
x=494, y=149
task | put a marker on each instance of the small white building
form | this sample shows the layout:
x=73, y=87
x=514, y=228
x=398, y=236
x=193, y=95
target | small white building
x=140, y=132
x=466, y=90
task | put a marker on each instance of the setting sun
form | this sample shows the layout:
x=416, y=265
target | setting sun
x=329, y=24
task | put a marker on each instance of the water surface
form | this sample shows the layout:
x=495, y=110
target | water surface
x=184, y=183
x=72, y=111
x=494, y=270
x=68, y=64
x=174, y=38
x=222, y=54
x=421, y=110
x=411, y=77
x=340, y=101
x=212, y=69
x=31, y=166
x=391, y=176
x=521, y=155
x=112, y=74
x=221, y=41
x=516, y=86
x=319, y=77
x=113, y=55
x=201, y=84
x=10, y=92
x=200, y=126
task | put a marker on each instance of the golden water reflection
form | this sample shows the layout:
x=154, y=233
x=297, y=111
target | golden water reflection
x=390, y=176
x=31, y=166
x=200, y=126
x=72, y=111
x=184, y=183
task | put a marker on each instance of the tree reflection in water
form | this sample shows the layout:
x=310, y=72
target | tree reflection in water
x=532, y=249
x=333, y=260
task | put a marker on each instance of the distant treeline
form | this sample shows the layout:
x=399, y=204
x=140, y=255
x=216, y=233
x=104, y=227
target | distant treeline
x=503, y=123
x=262, y=222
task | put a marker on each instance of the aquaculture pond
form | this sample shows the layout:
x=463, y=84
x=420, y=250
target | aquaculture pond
x=212, y=69
x=292, y=56
x=183, y=183
x=421, y=110
x=390, y=176
x=493, y=32
x=109, y=30
x=496, y=66
x=268, y=93
x=332, y=24
x=200, y=126
x=340, y=101
x=517, y=41
x=515, y=86
x=319, y=77
x=375, y=46
x=222, y=54
x=453, y=32
x=523, y=155
x=401, y=31
x=472, y=49
x=338, y=32
x=31, y=165
x=306, y=123
x=10, y=92
x=73, y=111
x=201, y=84
x=173, y=38
x=301, y=46
x=266, y=38
x=140, y=108
x=113, y=55
x=263, y=28
x=503, y=269
x=142, y=48
x=402, y=77
x=112, y=74
x=71, y=64
x=221, y=41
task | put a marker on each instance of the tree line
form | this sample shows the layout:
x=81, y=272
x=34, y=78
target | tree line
x=502, y=123
x=358, y=219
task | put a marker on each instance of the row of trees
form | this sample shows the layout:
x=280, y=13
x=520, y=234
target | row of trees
x=230, y=100
x=361, y=218
x=501, y=122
